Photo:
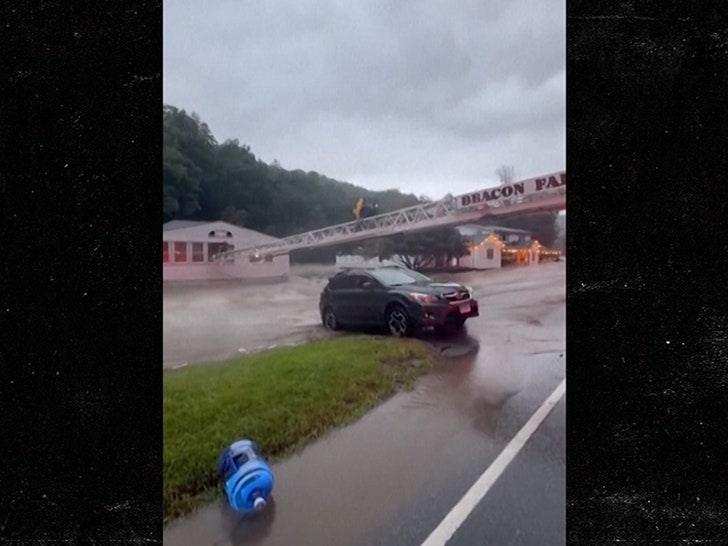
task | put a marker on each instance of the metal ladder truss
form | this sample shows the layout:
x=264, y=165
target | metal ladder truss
x=447, y=212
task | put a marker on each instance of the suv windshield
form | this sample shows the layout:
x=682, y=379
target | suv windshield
x=394, y=277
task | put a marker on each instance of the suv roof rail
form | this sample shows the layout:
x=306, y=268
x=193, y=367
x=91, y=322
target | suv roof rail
x=365, y=267
x=356, y=267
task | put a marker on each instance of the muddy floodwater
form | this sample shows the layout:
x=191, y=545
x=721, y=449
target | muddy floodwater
x=393, y=475
x=217, y=320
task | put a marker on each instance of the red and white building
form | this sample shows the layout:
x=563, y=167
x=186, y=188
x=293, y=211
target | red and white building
x=189, y=248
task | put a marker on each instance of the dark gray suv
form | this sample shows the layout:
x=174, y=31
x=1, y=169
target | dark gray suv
x=401, y=300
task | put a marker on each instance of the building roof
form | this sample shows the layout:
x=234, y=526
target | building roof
x=525, y=245
x=181, y=224
x=506, y=230
x=248, y=235
x=477, y=233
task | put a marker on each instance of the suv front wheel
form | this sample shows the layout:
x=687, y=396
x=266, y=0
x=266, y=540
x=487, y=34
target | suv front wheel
x=398, y=321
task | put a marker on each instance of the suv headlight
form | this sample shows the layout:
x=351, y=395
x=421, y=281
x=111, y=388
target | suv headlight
x=424, y=298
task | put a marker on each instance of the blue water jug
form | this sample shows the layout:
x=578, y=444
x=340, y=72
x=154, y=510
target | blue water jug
x=246, y=477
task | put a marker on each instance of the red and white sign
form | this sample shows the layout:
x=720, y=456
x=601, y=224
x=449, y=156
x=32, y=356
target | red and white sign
x=541, y=184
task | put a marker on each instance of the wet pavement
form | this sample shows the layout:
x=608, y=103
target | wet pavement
x=391, y=477
x=527, y=505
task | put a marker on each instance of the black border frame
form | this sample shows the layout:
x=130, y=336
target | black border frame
x=81, y=317
x=647, y=133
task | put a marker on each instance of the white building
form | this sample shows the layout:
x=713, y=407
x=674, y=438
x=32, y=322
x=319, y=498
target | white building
x=492, y=246
x=484, y=254
x=188, y=250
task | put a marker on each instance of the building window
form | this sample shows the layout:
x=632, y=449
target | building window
x=489, y=253
x=198, y=252
x=214, y=249
x=165, y=252
x=180, y=252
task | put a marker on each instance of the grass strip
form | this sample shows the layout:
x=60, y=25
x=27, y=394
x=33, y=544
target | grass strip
x=282, y=399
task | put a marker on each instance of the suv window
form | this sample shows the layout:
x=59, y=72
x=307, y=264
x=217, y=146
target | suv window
x=391, y=277
x=342, y=282
x=349, y=281
x=337, y=282
x=359, y=280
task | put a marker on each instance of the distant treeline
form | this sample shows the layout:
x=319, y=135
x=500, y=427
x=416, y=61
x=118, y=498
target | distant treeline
x=207, y=180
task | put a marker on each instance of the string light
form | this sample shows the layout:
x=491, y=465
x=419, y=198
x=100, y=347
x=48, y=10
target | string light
x=493, y=239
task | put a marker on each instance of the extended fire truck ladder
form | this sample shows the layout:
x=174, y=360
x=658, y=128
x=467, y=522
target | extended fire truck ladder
x=541, y=194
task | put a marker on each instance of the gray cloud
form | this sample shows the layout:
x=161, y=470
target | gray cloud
x=426, y=96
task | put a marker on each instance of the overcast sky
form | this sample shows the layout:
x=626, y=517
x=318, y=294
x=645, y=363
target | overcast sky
x=425, y=96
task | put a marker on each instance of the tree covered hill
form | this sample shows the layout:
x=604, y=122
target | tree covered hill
x=207, y=180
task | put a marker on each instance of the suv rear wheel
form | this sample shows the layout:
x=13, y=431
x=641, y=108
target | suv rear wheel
x=398, y=321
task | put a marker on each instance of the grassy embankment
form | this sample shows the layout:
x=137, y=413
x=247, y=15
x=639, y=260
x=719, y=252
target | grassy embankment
x=282, y=399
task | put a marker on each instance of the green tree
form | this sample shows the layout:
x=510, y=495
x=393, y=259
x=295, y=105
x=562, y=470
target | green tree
x=187, y=152
x=422, y=250
x=234, y=216
x=235, y=181
x=180, y=184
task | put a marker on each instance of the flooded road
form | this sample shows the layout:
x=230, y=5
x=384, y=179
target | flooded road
x=207, y=322
x=392, y=476
x=217, y=320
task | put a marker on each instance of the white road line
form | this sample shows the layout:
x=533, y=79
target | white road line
x=475, y=494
